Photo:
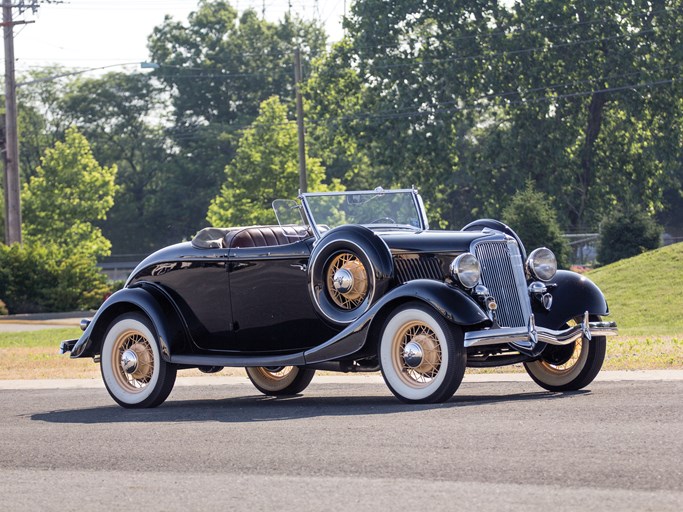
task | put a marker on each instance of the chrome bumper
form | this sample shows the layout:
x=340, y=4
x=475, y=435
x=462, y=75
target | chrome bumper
x=531, y=335
x=67, y=346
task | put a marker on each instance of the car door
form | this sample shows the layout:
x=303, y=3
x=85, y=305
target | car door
x=271, y=305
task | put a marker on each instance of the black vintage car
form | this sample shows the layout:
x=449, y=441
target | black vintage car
x=349, y=282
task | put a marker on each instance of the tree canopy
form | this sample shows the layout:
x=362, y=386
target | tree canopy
x=68, y=194
x=467, y=100
x=265, y=168
x=470, y=100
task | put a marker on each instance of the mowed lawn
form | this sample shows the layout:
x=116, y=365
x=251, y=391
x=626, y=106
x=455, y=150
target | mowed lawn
x=642, y=292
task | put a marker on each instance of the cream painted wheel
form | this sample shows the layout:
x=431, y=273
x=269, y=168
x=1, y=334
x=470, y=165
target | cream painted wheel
x=569, y=368
x=131, y=366
x=347, y=281
x=280, y=380
x=421, y=355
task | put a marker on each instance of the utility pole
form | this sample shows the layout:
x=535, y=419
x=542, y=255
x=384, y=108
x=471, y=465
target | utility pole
x=303, y=185
x=12, y=188
x=11, y=135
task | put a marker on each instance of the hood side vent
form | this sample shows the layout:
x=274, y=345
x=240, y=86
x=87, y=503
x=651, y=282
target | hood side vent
x=411, y=267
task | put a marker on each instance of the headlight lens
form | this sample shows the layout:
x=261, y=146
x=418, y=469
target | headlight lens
x=542, y=264
x=466, y=269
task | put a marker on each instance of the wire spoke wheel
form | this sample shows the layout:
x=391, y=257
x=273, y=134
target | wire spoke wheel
x=569, y=364
x=569, y=368
x=280, y=380
x=133, y=371
x=416, y=340
x=137, y=378
x=422, y=356
x=347, y=281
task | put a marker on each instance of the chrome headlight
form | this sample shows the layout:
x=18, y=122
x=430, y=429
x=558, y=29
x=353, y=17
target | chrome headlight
x=466, y=270
x=542, y=264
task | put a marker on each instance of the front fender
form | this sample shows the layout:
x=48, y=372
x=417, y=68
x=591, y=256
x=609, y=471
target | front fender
x=452, y=303
x=146, y=298
x=573, y=295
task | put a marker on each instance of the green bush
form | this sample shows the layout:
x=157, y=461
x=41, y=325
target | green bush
x=36, y=279
x=3, y=309
x=626, y=233
x=533, y=218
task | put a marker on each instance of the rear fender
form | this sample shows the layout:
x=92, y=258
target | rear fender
x=146, y=298
x=573, y=295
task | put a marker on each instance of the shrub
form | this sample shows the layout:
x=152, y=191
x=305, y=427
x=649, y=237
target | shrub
x=36, y=279
x=533, y=218
x=626, y=233
x=3, y=309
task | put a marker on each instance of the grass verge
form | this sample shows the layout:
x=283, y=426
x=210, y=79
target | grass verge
x=35, y=355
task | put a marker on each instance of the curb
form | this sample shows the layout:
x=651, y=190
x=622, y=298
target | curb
x=46, y=317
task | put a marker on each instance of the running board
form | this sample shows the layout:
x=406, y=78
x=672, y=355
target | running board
x=237, y=361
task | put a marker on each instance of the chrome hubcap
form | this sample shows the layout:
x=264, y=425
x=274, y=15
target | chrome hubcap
x=129, y=361
x=343, y=280
x=413, y=354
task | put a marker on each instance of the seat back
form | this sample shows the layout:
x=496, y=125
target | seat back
x=265, y=236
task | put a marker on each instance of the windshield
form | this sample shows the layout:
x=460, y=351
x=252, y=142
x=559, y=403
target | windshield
x=395, y=209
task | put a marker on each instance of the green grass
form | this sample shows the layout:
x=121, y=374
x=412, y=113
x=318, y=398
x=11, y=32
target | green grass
x=44, y=338
x=644, y=292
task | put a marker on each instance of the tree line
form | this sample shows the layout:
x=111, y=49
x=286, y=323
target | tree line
x=470, y=101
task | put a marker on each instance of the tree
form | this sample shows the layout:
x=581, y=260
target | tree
x=218, y=68
x=470, y=100
x=265, y=168
x=42, y=120
x=42, y=277
x=533, y=218
x=627, y=232
x=119, y=114
x=69, y=193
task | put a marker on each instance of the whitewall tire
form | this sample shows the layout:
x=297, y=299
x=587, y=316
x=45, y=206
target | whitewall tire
x=421, y=355
x=133, y=371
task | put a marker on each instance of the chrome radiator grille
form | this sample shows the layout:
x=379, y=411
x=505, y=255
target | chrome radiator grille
x=502, y=272
x=408, y=269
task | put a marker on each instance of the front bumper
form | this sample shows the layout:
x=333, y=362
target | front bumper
x=530, y=335
x=67, y=346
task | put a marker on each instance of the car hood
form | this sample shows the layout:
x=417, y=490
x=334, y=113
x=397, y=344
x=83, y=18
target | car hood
x=430, y=241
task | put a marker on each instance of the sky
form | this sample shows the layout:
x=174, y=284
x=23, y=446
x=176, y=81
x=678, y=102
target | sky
x=113, y=33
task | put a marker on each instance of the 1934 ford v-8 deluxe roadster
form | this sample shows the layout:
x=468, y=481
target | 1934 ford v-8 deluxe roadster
x=350, y=282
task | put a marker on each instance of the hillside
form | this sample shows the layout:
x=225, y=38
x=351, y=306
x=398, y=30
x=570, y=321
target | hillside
x=645, y=293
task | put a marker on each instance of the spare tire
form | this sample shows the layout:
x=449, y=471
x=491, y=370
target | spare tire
x=350, y=268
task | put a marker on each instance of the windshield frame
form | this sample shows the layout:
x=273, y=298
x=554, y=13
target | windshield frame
x=417, y=200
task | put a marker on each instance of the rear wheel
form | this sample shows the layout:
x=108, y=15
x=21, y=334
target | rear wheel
x=280, y=380
x=133, y=371
x=421, y=355
x=571, y=367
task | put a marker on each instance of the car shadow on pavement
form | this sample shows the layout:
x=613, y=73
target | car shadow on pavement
x=261, y=408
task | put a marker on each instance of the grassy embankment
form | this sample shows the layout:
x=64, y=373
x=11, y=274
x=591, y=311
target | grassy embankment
x=643, y=293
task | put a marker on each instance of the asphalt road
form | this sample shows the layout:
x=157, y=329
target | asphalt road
x=494, y=446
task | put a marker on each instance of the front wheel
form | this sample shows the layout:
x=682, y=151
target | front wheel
x=422, y=356
x=571, y=367
x=280, y=380
x=133, y=371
